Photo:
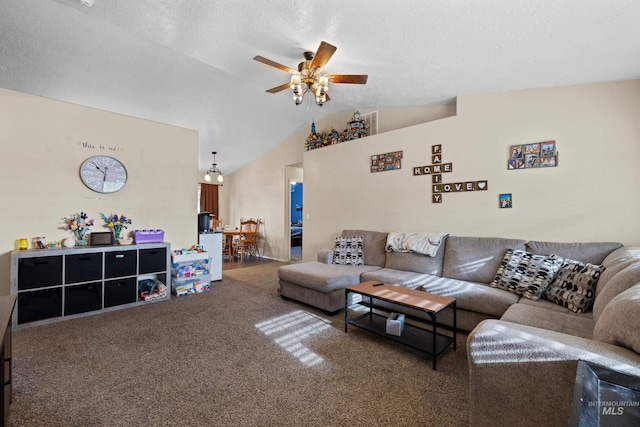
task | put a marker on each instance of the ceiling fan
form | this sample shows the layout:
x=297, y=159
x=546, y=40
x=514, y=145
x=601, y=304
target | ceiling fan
x=309, y=78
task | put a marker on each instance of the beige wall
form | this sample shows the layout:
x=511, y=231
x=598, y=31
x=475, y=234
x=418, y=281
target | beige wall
x=591, y=196
x=39, y=172
x=261, y=189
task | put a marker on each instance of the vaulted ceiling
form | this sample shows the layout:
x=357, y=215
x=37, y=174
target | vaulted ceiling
x=189, y=62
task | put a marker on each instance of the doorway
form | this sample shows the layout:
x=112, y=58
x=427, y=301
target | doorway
x=295, y=219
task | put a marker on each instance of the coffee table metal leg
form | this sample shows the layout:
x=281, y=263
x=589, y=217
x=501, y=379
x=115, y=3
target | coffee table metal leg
x=434, y=351
x=346, y=310
x=455, y=325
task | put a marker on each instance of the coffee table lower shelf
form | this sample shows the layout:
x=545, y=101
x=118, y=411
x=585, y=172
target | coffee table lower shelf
x=412, y=335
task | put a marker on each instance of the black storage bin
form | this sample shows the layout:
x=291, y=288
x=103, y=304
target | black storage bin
x=153, y=260
x=118, y=292
x=39, y=272
x=83, y=267
x=39, y=305
x=82, y=298
x=120, y=264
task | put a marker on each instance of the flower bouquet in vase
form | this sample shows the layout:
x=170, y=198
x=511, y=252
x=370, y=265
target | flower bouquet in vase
x=79, y=224
x=117, y=224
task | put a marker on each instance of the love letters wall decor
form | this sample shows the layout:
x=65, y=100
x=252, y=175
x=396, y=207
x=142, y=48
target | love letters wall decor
x=437, y=168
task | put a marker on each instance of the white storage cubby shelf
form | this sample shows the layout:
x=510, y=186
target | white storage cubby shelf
x=190, y=273
x=57, y=284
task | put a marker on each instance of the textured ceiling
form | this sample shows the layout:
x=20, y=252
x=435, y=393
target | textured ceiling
x=189, y=62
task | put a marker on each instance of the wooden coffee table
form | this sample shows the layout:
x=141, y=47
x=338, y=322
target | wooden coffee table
x=413, y=335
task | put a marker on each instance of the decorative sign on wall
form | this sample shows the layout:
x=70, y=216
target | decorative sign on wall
x=437, y=168
x=386, y=162
x=538, y=155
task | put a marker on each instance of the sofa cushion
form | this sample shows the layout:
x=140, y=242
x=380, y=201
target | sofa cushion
x=619, y=283
x=374, y=244
x=348, y=250
x=477, y=297
x=407, y=279
x=550, y=305
x=538, y=317
x=476, y=259
x=619, y=322
x=574, y=287
x=416, y=262
x=615, y=262
x=526, y=274
x=592, y=252
x=323, y=277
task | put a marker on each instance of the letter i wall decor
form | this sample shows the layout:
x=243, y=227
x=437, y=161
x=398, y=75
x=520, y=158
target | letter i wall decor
x=437, y=168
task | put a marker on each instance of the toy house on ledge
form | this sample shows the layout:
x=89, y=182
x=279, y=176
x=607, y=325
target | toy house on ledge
x=356, y=128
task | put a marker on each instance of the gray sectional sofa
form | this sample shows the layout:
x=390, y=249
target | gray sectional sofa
x=523, y=353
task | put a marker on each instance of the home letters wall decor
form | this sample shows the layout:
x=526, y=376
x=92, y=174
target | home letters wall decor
x=437, y=168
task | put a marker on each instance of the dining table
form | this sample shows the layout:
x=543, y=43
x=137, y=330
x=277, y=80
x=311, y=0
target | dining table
x=229, y=234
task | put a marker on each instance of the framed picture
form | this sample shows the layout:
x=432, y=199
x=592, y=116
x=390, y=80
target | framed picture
x=516, y=152
x=386, y=161
x=536, y=155
x=505, y=201
x=548, y=148
x=531, y=160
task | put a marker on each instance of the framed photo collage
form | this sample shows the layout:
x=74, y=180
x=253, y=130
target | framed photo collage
x=537, y=155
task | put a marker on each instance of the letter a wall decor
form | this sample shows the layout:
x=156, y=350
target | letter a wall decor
x=437, y=168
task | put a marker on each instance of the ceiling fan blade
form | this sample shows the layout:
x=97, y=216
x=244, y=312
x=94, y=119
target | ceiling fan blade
x=358, y=79
x=323, y=55
x=278, y=88
x=272, y=63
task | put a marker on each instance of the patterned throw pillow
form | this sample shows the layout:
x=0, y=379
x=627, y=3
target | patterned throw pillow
x=348, y=251
x=526, y=274
x=575, y=286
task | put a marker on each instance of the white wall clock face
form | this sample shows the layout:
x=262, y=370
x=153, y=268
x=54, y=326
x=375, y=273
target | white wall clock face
x=103, y=174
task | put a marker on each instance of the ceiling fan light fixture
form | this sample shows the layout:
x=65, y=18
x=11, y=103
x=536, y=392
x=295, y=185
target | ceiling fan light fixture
x=214, y=171
x=323, y=84
x=309, y=78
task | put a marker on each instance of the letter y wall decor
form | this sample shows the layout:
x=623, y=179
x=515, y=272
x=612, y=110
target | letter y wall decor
x=437, y=168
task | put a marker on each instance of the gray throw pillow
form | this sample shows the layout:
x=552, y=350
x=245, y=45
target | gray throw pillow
x=526, y=274
x=574, y=287
x=348, y=250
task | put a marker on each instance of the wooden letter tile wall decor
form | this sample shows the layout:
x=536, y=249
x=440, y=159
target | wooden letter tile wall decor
x=437, y=168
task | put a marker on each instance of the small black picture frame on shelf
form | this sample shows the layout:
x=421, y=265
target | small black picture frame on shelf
x=506, y=201
x=101, y=238
x=536, y=155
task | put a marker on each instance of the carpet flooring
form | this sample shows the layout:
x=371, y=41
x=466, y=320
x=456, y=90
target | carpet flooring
x=238, y=355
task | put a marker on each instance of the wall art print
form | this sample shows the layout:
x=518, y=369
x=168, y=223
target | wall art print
x=506, y=201
x=536, y=155
x=386, y=162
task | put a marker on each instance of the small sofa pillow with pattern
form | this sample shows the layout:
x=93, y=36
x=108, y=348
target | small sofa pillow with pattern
x=574, y=287
x=526, y=274
x=348, y=251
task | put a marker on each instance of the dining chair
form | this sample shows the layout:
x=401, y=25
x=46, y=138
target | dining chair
x=248, y=242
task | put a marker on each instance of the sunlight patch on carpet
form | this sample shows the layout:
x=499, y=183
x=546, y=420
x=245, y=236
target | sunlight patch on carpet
x=290, y=330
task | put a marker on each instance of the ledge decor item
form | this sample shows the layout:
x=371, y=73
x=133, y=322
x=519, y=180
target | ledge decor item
x=357, y=128
x=78, y=224
x=537, y=155
x=386, y=162
x=505, y=200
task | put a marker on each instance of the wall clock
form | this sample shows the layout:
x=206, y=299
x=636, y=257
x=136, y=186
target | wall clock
x=103, y=174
